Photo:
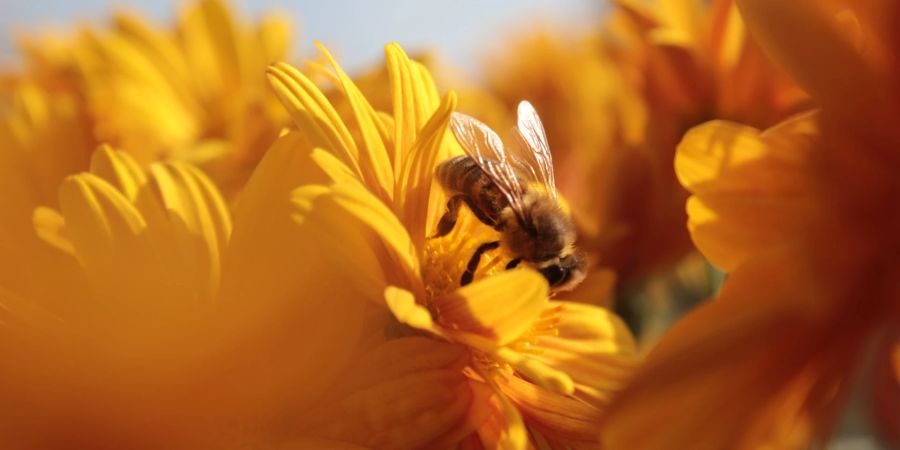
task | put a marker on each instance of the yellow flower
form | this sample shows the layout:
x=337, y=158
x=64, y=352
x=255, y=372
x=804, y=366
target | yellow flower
x=196, y=92
x=536, y=370
x=618, y=102
x=168, y=322
x=43, y=138
x=799, y=216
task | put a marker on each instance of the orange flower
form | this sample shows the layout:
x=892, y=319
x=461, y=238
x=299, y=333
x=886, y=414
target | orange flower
x=799, y=216
x=617, y=104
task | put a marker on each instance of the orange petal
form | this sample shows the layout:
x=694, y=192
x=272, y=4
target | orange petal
x=318, y=444
x=760, y=367
x=413, y=407
x=283, y=296
x=751, y=189
x=561, y=418
x=806, y=38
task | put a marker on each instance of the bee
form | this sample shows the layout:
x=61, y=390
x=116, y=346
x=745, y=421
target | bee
x=513, y=190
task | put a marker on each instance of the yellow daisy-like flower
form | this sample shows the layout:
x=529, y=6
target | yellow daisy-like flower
x=798, y=215
x=196, y=92
x=43, y=138
x=168, y=322
x=537, y=370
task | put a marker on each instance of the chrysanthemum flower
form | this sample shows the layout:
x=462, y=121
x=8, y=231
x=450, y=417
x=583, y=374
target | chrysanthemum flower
x=799, y=216
x=167, y=322
x=43, y=138
x=537, y=371
x=617, y=104
x=196, y=92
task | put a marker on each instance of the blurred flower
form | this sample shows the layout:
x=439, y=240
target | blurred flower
x=537, y=370
x=195, y=93
x=616, y=104
x=43, y=138
x=157, y=326
x=798, y=215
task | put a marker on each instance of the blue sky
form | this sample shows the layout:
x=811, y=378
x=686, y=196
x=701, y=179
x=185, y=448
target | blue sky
x=462, y=32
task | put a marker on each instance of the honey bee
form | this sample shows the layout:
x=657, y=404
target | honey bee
x=513, y=190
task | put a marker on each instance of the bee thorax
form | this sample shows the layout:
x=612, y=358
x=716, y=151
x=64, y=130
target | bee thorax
x=541, y=233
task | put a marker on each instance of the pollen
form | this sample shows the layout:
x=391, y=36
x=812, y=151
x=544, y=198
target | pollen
x=445, y=259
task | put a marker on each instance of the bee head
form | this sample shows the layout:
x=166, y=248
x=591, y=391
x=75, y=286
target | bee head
x=565, y=273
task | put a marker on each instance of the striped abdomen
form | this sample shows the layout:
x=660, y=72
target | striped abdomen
x=461, y=175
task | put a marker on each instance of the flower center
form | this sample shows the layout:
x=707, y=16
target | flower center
x=445, y=259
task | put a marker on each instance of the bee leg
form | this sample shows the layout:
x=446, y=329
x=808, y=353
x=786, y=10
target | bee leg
x=448, y=220
x=512, y=264
x=469, y=274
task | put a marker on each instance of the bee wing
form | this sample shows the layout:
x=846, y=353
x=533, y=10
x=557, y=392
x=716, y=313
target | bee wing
x=485, y=147
x=532, y=155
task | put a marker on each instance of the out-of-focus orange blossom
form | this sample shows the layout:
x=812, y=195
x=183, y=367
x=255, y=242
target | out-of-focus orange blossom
x=797, y=215
x=617, y=102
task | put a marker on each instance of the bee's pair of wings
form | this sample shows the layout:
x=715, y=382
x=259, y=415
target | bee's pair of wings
x=524, y=162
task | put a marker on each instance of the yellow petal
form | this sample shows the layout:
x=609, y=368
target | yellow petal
x=360, y=202
x=209, y=36
x=313, y=114
x=592, y=346
x=274, y=34
x=415, y=184
x=374, y=158
x=119, y=169
x=500, y=308
x=345, y=244
x=280, y=291
x=750, y=189
x=199, y=222
x=264, y=241
x=543, y=375
x=50, y=226
x=108, y=233
x=414, y=101
x=504, y=428
x=355, y=229
x=161, y=51
x=333, y=167
x=402, y=304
